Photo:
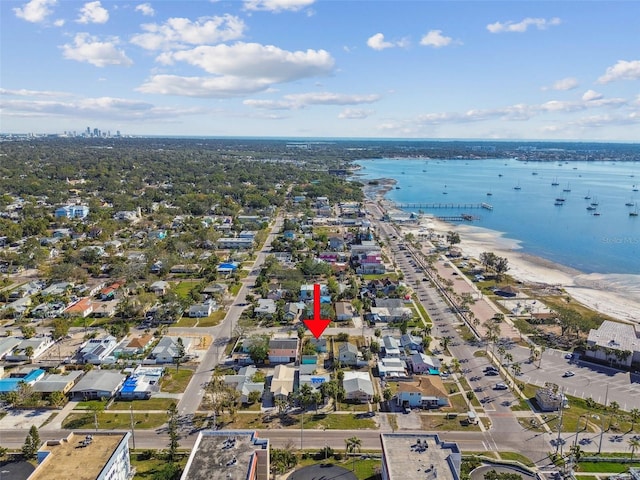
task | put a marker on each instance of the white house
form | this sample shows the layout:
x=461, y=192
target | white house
x=166, y=351
x=357, y=386
x=96, y=350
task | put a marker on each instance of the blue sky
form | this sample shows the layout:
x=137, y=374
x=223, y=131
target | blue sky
x=307, y=68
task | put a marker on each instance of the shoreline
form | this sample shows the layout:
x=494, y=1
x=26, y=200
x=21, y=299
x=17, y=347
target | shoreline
x=615, y=295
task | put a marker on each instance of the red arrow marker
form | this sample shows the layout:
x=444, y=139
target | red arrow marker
x=316, y=325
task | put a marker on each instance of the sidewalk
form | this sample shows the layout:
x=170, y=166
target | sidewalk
x=56, y=423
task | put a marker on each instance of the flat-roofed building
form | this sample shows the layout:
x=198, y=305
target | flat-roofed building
x=428, y=456
x=99, y=456
x=228, y=455
x=614, y=343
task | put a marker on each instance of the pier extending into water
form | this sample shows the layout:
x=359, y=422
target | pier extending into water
x=486, y=206
x=463, y=217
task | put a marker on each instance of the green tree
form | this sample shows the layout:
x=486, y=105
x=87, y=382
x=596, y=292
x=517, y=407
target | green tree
x=453, y=238
x=57, y=399
x=634, y=444
x=259, y=348
x=634, y=413
x=180, y=352
x=353, y=444
x=28, y=331
x=60, y=328
x=172, y=430
x=96, y=408
x=31, y=443
x=29, y=352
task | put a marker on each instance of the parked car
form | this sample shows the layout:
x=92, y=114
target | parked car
x=491, y=373
x=568, y=373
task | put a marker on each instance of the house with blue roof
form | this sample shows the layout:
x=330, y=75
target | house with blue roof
x=12, y=383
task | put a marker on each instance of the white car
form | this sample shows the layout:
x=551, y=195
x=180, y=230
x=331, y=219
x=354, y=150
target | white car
x=500, y=386
x=569, y=356
x=568, y=373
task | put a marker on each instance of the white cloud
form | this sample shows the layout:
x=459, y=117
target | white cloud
x=277, y=5
x=86, y=48
x=590, y=95
x=434, y=38
x=302, y=100
x=181, y=32
x=59, y=23
x=93, y=12
x=355, y=114
x=207, y=87
x=523, y=25
x=266, y=63
x=146, y=9
x=35, y=11
x=23, y=92
x=99, y=107
x=622, y=70
x=568, y=83
x=377, y=42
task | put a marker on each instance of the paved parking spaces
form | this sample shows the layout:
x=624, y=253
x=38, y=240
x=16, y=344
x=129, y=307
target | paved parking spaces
x=24, y=419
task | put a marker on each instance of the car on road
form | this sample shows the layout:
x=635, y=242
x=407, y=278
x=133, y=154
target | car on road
x=568, y=373
x=500, y=386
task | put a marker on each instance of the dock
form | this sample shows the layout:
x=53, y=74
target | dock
x=463, y=217
x=486, y=206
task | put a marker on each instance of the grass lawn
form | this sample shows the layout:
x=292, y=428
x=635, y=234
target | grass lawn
x=479, y=353
x=183, y=288
x=353, y=407
x=80, y=322
x=113, y=421
x=311, y=421
x=458, y=403
x=86, y=405
x=393, y=422
x=235, y=288
x=187, y=322
x=212, y=320
x=437, y=422
x=148, y=468
x=151, y=404
x=517, y=457
x=364, y=468
x=175, y=382
x=606, y=467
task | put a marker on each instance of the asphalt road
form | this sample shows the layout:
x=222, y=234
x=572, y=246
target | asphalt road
x=192, y=397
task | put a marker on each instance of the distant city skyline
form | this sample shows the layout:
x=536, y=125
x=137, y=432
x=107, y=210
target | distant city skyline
x=306, y=68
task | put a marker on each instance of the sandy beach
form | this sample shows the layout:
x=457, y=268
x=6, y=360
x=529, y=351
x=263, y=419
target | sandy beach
x=616, y=295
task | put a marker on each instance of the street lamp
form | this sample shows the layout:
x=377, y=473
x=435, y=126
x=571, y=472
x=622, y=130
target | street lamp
x=586, y=415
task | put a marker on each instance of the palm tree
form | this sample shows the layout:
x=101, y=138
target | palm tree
x=634, y=444
x=353, y=445
x=614, y=407
x=634, y=413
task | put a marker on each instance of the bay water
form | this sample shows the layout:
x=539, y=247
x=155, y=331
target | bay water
x=549, y=221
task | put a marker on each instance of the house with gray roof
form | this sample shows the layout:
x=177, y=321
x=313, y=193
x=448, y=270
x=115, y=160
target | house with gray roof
x=97, y=384
x=348, y=354
x=166, y=351
x=57, y=383
x=358, y=386
x=98, y=350
x=244, y=383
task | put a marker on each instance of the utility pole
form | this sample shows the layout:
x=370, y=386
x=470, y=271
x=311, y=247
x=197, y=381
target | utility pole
x=133, y=430
x=606, y=400
x=301, y=428
x=559, y=439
